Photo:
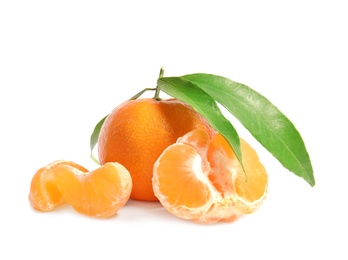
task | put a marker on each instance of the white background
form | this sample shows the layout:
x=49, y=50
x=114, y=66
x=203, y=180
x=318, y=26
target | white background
x=65, y=64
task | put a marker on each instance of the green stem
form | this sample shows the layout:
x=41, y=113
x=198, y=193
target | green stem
x=158, y=90
x=141, y=92
x=161, y=72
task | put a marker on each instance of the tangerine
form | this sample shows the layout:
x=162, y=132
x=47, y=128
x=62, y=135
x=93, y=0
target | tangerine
x=137, y=131
x=200, y=178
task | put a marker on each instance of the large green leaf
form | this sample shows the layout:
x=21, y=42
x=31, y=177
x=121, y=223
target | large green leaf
x=262, y=119
x=204, y=104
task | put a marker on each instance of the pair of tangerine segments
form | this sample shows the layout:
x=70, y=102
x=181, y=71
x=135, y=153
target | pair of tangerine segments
x=98, y=193
x=200, y=178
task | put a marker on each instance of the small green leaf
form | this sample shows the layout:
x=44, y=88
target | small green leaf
x=204, y=104
x=262, y=119
x=94, y=138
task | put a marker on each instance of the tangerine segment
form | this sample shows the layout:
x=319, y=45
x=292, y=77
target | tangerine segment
x=99, y=193
x=249, y=187
x=44, y=194
x=180, y=184
x=198, y=139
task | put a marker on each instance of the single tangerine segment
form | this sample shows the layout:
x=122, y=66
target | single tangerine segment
x=180, y=184
x=199, y=178
x=200, y=140
x=98, y=193
x=44, y=194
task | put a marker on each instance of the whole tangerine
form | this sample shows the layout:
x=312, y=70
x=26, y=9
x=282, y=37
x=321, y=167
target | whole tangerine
x=136, y=132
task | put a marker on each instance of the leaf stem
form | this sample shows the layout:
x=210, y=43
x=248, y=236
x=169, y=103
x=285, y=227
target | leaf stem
x=141, y=92
x=161, y=72
x=158, y=90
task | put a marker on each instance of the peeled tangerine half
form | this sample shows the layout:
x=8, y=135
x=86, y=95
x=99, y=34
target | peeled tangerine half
x=98, y=193
x=200, y=179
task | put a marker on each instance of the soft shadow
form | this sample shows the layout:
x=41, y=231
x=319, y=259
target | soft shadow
x=135, y=211
x=145, y=210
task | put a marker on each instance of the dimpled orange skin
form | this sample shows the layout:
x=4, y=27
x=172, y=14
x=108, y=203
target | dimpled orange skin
x=137, y=131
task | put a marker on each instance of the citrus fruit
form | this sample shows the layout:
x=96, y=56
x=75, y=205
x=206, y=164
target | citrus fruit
x=137, y=131
x=98, y=193
x=44, y=194
x=199, y=178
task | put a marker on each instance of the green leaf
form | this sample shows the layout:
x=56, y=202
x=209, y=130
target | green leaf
x=204, y=104
x=94, y=138
x=262, y=119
